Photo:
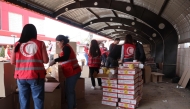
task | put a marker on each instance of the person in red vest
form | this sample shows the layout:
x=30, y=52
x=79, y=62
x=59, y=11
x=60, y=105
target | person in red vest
x=8, y=52
x=128, y=49
x=29, y=56
x=104, y=52
x=86, y=50
x=70, y=67
x=94, y=62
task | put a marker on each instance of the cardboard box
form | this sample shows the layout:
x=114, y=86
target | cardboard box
x=147, y=74
x=7, y=102
x=147, y=49
x=141, y=82
x=109, y=81
x=113, y=90
x=57, y=73
x=85, y=72
x=128, y=81
x=72, y=44
x=109, y=99
x=140, y=73
x=127, y=71
x=130, y=87
x=7, y=81
x=50, y=86
x=80, y=89
x=128, y=101
x=126, y=105
x=134, y=96
x=109, y=103
x=109, y=85
x=146, y=45
x=127, y=92
x=128, y=76
x=108, y=94
x=127, y=64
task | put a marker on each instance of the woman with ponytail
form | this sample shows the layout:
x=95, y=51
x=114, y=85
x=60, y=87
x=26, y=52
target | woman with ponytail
x=29, y=56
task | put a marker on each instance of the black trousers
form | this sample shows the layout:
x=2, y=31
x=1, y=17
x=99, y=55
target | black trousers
x=92, y=70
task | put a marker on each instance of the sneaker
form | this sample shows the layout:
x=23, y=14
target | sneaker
x=92, y=87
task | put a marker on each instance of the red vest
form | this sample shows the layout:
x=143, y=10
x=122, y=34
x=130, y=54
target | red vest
x=94, y=61
x=29, y=61
x=71, y=66
x=103, y=50
x=129, y=50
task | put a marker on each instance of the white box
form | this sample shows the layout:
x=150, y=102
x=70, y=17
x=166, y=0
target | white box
x=140, y=73
x=109, y=99
x=127, y=71
x=123, y=86
x=126, y=64
x=109, y=103
x=110, y=94
x=128, y=92
x=109, y=81
x=140, y=82
x=101, y=71
x=110, y=90
x=126, y=105
x=135, y=101
x=128, y=81
x=128, y=76
x=128, y=96
x=109, y=85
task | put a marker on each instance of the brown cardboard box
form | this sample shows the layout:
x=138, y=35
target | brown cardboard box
x=7, y=102
x=147, y=74
x=7, y=81
x=146, y=49
x=85, y=72
x=72, y=44
x=80, y=89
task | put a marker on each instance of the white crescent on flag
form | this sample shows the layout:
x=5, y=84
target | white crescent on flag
x=28, y=49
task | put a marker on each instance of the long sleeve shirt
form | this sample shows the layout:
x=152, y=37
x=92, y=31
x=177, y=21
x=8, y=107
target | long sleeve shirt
x=67, y=51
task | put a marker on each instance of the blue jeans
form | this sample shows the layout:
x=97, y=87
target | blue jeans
x=28, y=86
x=128, y=60
x=86, y=59
x=70, y=84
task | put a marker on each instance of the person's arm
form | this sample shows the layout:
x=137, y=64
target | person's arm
x=13, y=57
x=122, y=53
x=65, y=57
x=44, y=53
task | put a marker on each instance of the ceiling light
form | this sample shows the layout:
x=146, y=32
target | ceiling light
x=154, y=35
x=133, y=23
x=128, y=8
x=66, y=9
x=111, y=19
x=135, y=30
x=95, y=3
x=161, y=26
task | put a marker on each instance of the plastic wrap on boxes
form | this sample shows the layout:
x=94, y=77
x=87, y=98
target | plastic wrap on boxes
x=109, y=103
x=109, y=85
x=110, y=94
x=128, y=81
x=126, y=105
x=109, y=99
x=134, y=96
x=127, y=76
x=123, y=86
x=110, y=90
x=127, y=71
x=112, y=81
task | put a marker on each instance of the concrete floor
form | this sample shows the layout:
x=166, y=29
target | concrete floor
x=155, y=96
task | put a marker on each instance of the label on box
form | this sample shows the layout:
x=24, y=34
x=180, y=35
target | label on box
x=109, y=103
x=127, y=64
x=124, y=86
x=126, y=105
x=109, y=81
x=128, y=96
x=110, y=90
x=110, y=99
x=127, y=71
x=127, y=76
x=109, y=85
x=127, y=81
x=110, y=94
x=130, y=92
x=128, y=101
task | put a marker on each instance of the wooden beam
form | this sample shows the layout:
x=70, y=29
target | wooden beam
x=115, y=13
x=93, y=13
x=163, y=7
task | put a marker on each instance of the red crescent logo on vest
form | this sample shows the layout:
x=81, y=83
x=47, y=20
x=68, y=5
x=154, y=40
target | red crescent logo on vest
x=130, y=51
x=28, y=49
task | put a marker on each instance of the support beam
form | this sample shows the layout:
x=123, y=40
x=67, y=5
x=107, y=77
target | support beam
x=163, y=7
x=93, y=13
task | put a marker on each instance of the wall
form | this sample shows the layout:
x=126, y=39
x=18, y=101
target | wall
x=183, y=58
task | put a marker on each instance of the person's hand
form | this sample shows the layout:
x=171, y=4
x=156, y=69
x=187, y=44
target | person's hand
x=52, y=63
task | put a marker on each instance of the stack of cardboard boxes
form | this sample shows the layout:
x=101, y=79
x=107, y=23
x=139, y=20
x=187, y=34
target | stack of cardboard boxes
x=125, y=91
x=147, y=50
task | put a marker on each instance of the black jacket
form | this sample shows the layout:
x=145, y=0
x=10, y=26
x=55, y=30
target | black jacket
x=139, y=54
